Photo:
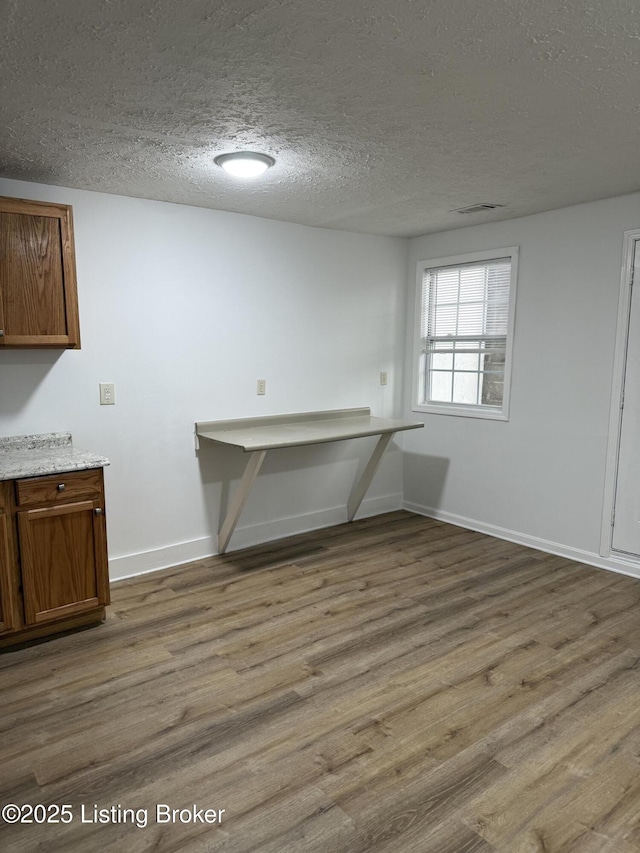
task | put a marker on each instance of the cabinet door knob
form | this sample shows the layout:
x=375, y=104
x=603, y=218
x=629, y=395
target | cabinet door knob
x=99, y=510
x=61, y=487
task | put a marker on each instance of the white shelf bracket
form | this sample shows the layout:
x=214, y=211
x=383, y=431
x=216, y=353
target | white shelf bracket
x=360, y=489
x=236, y=506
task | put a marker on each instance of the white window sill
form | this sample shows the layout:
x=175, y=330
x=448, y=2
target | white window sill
x=460, y=410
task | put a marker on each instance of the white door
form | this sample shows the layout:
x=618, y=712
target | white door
x=626, y=525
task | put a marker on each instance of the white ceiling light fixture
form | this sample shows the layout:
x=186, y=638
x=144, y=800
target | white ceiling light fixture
x=244, y=164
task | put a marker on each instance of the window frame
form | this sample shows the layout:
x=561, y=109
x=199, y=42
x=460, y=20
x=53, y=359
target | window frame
x=468, y=410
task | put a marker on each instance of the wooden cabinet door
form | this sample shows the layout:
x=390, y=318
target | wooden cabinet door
x=8, y=619
x=64, y=560
x=38, y=294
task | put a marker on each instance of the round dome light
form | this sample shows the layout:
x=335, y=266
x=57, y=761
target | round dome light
x=244, y=164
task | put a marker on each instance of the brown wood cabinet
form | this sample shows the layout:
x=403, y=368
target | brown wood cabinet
x=7, y=595
x=53, y=554
x=38, y=292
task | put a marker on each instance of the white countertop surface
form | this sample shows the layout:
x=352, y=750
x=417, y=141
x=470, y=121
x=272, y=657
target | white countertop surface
x=46, y=453
x=301, y=428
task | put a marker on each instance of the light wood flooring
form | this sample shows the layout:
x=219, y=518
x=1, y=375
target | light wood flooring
x=395, y=685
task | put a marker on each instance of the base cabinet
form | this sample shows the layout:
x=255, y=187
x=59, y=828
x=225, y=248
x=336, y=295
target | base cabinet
x=54, y=574
x=8, y=618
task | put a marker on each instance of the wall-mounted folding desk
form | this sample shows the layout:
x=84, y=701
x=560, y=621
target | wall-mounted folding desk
x=258, y=435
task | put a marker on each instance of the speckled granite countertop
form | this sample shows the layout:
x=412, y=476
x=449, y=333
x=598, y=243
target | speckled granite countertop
x=48, y=453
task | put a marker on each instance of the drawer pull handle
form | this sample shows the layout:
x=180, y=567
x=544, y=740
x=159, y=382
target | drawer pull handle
x=99, y=511
x=61, y=487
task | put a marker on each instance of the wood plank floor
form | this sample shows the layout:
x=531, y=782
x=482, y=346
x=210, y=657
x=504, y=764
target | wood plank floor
x=394, y=685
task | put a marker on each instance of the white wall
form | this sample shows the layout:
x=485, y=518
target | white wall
x=184, y=309
x=538, y=478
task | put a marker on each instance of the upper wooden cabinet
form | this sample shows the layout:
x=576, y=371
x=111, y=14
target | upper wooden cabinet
x=38, y=293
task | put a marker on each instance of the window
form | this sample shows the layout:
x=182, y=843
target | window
x=464, y=330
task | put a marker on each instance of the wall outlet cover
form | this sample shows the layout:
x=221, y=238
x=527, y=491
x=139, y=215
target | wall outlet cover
x=107, y=393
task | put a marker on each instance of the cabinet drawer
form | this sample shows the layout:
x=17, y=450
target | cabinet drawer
x=59, y=488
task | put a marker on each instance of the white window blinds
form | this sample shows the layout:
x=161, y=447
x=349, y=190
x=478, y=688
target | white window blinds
x=466, y=301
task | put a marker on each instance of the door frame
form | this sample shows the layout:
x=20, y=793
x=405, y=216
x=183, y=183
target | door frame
x=630, y=242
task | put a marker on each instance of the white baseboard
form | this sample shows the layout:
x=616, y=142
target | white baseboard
x=130, y=565
x=591, y=558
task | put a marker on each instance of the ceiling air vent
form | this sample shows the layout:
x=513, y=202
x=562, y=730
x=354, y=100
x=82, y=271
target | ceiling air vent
x=477, y=208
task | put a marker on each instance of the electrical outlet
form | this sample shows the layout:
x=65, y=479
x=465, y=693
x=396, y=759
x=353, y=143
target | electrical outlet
x=383, y=377
x=107, y=393
x=262, y=387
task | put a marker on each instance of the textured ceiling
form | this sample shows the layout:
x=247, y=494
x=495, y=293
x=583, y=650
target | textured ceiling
x=384, y=116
